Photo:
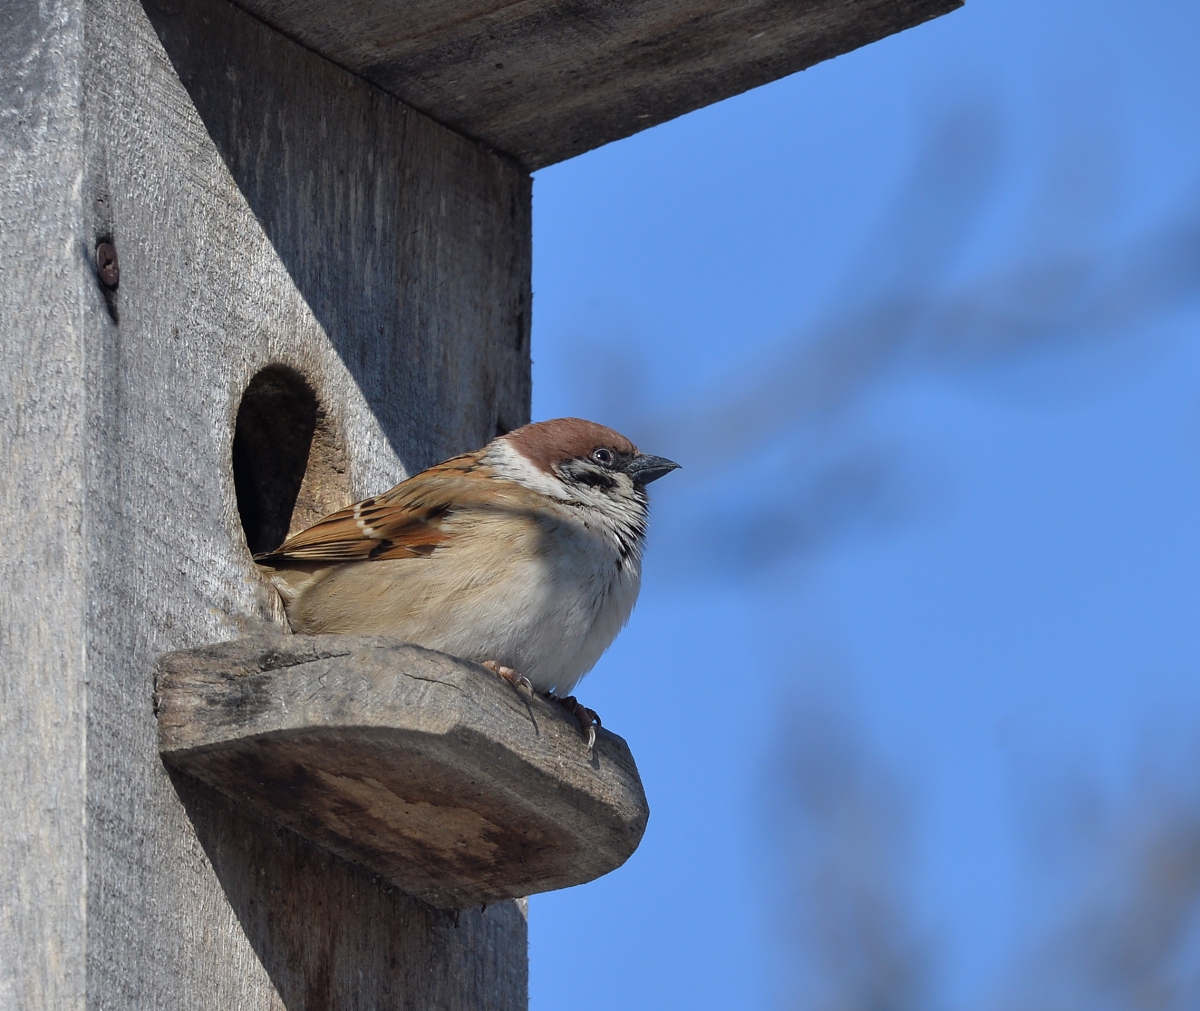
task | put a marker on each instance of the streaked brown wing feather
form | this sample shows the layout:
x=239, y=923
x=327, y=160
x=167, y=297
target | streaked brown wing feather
x=405, y=522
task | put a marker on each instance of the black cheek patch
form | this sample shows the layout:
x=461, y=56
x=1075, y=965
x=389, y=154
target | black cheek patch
x=595, y=479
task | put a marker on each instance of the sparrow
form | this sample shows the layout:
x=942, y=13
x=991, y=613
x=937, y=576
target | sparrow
x=524, y=556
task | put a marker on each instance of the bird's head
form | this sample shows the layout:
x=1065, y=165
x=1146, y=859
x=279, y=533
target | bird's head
x=577, y=460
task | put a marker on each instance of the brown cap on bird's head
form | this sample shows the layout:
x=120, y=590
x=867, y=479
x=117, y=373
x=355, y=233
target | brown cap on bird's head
x=548, y=444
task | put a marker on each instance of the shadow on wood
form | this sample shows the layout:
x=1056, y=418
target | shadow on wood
x=543, y=80
x=330, y=934
x=404, y=238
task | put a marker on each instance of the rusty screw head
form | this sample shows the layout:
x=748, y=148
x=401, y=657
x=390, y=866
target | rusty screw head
x=106, y=264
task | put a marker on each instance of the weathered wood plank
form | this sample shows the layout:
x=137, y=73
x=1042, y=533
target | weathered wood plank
x=44, y=282
x=543, y=80
x=426, y=769
x=268, y=208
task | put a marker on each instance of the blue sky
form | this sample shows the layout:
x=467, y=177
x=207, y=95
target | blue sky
x=923, y=326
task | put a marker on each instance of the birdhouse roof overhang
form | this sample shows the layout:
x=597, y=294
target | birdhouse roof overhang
x=543, y=80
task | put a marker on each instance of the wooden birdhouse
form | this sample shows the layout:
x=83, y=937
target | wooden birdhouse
x=260, y=260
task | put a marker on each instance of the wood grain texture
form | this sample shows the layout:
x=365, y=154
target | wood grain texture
x=268, y=208
x=359, y=945
x=543, y=80
x=44, y=284
x=428, y=770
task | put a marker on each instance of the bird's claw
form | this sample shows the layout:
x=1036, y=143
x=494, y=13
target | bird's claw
x=509, y=675
x=588, y=719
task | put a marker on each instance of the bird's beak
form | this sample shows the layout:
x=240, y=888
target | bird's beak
x=644, y=468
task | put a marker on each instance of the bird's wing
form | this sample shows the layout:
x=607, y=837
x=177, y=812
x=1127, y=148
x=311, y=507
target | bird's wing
x=405, y=522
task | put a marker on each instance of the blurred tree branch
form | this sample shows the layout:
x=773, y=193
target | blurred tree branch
x=842, y=832
x=929, y=294
x=1129, y=940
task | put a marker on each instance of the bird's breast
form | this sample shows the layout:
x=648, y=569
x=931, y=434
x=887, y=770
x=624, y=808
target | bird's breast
x=539, y=591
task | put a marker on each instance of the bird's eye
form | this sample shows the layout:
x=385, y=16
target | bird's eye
x=603, y=456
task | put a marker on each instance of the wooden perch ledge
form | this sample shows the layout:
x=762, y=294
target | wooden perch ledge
x=426, y=769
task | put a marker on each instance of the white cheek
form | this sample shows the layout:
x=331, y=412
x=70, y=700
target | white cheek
x=511, y=465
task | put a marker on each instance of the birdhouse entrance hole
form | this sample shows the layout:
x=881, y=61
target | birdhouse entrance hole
x=271, y=442
x=289, y=462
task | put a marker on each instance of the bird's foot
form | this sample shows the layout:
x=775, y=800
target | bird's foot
x=509, y=675
x=588, y=719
